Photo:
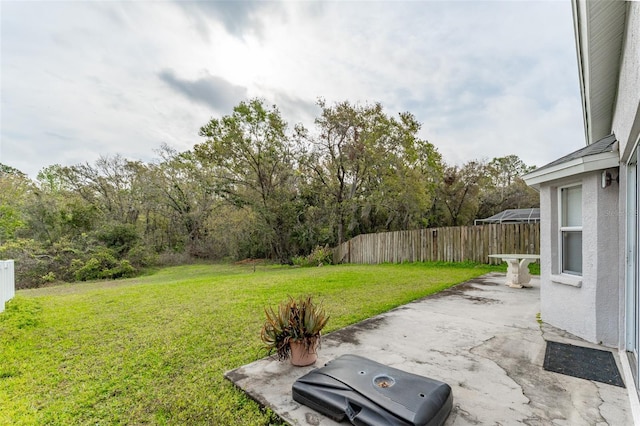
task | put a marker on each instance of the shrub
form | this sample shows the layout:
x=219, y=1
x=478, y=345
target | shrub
x=122, y=270
x=71, y=260
x=142, y=256
x=119, y=237
x=31, y=261
x=89, y=270
x=49, y=277
x=318, y=257
x=102, y=264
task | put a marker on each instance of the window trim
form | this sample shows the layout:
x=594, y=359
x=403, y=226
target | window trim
x=563, y=229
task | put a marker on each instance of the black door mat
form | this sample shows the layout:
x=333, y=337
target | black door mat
x=581, y=362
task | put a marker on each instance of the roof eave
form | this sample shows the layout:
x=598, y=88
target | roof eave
x=582, y=57
x=602, y=161
x=599, y=33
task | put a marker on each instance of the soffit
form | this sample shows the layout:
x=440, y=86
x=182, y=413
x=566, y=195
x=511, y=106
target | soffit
x=600, y=33
x=597, y=156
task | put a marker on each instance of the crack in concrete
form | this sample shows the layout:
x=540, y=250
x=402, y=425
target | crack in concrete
x=546, y=329
x=600, y=405
x=459, y=411
x=491, y=359
x=547, y=399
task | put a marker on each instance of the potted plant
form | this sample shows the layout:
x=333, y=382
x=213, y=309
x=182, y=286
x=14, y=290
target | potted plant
x=293, y=330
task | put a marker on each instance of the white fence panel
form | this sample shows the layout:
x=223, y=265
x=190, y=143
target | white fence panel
x=7, y=282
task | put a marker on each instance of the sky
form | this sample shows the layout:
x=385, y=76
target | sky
x=83, y=79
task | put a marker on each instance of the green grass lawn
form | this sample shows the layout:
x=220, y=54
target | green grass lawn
x=154, y=349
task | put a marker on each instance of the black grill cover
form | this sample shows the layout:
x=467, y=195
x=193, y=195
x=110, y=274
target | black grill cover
x=368, y=393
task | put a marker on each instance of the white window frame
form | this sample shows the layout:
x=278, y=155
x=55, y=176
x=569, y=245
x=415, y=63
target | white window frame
x=562, y=229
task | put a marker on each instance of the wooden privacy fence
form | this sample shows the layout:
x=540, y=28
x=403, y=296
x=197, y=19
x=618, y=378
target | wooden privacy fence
x=450, y=244
x=7, y=282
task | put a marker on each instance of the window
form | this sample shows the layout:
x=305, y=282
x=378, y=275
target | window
x=571, y=230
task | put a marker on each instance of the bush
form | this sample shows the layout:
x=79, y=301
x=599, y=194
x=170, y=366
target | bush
x=101, y=265
x=119, y=237
x=49, y=277
x=122, y=270
x=318, y=257
x=89, y=270
x=80, y=259
x=142, y=256
x=31, y=261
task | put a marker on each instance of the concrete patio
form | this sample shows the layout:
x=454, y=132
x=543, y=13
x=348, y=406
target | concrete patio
x=482, y=338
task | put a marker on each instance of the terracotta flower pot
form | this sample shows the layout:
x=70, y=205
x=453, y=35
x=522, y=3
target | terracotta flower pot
x=300, y=356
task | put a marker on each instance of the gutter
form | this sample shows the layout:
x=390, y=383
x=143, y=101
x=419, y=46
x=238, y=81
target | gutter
x=604, y=160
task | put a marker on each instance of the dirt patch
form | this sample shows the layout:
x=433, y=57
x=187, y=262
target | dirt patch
x=486, y=280
x=350, y=334
x=457, y=290
x=462, y=290
x=481, y=300
x=235, y=376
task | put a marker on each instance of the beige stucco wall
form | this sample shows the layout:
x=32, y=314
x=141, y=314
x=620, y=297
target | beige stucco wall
x=595, y=310
x=590, y=310
x=626, y=127
x=624, y=252
x=609, y=256
x=626, y=119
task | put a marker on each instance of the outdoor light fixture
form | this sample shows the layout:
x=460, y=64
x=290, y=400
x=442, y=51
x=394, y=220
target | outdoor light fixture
x=606, y=179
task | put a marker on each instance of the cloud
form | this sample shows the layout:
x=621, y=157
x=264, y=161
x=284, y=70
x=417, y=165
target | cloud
x=239, y=18
x=83, y=79
x=210, y=90
x=510, y=124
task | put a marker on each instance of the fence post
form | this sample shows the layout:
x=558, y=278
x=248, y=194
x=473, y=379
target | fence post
x=7, y=282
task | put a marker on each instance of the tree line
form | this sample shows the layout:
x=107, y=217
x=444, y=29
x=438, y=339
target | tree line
x=251, y=188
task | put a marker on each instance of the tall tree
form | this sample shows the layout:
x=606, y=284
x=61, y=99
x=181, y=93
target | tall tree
x=341, y=159
x=368, y=169
x=55, y=211
x=406, y=178
x=254, y=163
x=505, y=188
x=14, y=189
x=459, y=194
x=180, y=194
x=113, y=185
x=505, y=170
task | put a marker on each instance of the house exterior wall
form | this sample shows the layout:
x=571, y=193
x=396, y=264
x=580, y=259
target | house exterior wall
x=549, y=313
x=602, y=306
x=626, y=127
x=609, y=254
x=623, y=252
x=586, y=306
x=626, y=119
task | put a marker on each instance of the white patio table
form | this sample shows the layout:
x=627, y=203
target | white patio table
x=517, y=268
